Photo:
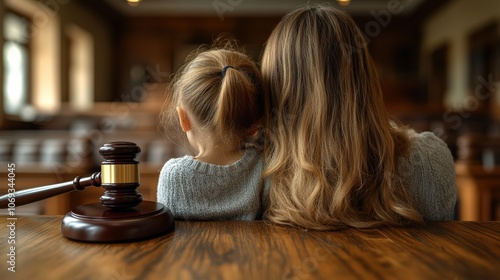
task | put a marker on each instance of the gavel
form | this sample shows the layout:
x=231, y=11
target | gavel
x=121, y=215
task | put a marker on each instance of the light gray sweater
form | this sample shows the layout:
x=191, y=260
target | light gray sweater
x=195, y=190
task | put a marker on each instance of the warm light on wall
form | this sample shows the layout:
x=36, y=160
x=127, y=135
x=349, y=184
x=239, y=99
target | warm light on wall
x=133, y=2
x=81, y=68
x=344, y=2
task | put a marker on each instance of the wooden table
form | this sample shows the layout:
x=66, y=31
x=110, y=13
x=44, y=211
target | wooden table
x=256, y=250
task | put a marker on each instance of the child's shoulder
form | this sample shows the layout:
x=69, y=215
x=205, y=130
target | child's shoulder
x=178, y=160
x=176, y=164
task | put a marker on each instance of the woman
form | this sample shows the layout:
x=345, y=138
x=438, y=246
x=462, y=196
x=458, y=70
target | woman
x=334, y=158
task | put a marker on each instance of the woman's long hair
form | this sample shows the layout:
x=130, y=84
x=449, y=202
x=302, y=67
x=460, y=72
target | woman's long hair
x=332, y=154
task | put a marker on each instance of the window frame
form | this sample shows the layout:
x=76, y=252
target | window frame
x=29, y=74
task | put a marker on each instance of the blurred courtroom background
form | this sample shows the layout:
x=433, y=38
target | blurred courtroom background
x=78, y=73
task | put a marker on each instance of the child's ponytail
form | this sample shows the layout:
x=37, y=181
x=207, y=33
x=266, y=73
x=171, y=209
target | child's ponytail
x=221, y=90
x=238, y=106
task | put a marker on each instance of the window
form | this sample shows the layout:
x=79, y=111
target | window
x=16, y=63
x=81, y=68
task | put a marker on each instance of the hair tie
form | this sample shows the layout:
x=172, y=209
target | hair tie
x=225, y=69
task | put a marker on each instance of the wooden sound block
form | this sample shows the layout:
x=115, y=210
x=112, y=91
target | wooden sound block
x=97, y=223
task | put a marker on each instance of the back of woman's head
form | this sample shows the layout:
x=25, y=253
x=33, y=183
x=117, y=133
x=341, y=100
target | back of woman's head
x=221, y=89
x=332, y=153
x=319, y=51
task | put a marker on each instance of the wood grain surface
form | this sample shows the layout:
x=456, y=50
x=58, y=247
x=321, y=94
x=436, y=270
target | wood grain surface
x=256, y=250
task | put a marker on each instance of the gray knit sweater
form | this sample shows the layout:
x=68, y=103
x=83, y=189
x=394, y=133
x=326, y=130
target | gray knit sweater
x=197, y=190
x=429, y=173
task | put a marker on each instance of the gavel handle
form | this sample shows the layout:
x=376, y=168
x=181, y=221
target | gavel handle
x=23, y=197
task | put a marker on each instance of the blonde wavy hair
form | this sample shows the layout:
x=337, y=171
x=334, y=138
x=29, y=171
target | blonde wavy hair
x=228, y=105
x=332, y=154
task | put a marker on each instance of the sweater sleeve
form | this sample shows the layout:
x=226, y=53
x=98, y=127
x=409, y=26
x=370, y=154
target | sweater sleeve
x=429, y=172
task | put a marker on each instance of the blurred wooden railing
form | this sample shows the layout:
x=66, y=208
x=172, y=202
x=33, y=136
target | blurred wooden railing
x=44, y=157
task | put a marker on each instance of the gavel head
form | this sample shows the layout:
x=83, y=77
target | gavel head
x=120, y=175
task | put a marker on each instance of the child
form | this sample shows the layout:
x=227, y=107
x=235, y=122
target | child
x=217, y=100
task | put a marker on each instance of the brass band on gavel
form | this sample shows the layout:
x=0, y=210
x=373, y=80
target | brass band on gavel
x=119, y=173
